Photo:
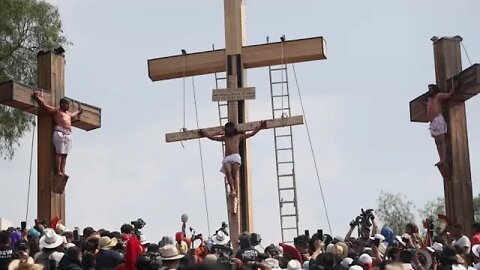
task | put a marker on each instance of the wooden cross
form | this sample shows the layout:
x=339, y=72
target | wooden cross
x=234, y=59
x=51, y=70
x=457, y=180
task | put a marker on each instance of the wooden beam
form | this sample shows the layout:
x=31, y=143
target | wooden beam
x=250, y=126
x=294, y=51
x=261, y=55
x=230, y=94
x=468, y=86
x=19, y=96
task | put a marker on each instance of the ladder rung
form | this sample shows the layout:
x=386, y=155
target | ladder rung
x=284, y=149
x=287, y=135
x=286, y=175
x=286, y=188
x=289, y=228
x=276, y=96
x=221, y=78
x=275, y=69
x=288, y=202
x=222, y=105
x=279, y=82
x=285, y=162
x=289, y=215
x=282, y=109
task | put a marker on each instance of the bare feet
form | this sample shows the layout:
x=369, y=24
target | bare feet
x=233, y=193
x=60, y=174
x=440, y=163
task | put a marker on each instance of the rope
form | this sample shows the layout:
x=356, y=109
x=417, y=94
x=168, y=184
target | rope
x=30, y=172
x=465, y=50
x=201, y=157
x=311, y=149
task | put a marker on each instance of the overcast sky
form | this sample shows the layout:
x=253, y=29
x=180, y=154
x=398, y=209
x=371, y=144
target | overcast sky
x=379, y=58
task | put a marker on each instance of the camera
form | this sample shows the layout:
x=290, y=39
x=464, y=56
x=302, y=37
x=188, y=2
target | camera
x=138, y=225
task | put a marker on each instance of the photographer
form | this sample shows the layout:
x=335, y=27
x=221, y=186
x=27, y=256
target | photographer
x=364, y=221
x=247, y=252
x=133, y=248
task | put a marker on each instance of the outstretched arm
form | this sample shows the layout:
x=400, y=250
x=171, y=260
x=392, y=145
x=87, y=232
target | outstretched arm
x=76, y=113
x=38, y=97
x=445, y=96
x=262, y=125
x=213, y=138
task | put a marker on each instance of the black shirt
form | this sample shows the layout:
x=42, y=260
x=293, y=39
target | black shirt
x=5, y=257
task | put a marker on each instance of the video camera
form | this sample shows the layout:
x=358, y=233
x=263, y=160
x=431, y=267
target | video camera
x=138, y=225
x=364, y=220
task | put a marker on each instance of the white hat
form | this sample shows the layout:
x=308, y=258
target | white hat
x=69, y=245
x=273, y=263
x=329, y=248
x=355, y=267
x=365, y=258
x=436, y=247
x=463, y=242
x=143, y=240
x=294, y=265
x=170, y=253
x=476, y=250
x=50, y=239
x=210, y=258
x=220, y=239
x=345, y=264
x=378, y=237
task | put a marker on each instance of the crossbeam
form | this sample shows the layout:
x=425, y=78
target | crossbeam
x=254, y=56
x=468, y=86
x=19, y=96
x=250, y=126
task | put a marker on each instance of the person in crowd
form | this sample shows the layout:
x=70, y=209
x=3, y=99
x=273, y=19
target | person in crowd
x=6, y=250
x=51, y=253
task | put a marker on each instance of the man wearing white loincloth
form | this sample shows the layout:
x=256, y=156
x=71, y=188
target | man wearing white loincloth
x=62, y=134
x=232, y=161
x=438, y=126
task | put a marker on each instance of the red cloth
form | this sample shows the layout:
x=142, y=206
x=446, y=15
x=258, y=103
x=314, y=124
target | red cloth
x=476, y=239
x=292, y=251
x=132, y=252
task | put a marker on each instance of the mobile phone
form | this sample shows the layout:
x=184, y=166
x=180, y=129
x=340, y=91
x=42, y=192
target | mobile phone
x=320, y=234
x=307, y=233
x=23, y=225
x=75, y=235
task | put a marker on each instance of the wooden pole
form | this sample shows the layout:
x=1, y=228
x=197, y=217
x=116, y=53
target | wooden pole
x=458, y=188
x=50, y=79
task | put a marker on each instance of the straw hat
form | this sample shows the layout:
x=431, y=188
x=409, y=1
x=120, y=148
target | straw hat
x=106, y=242
x=24, y=264
x=220, y=239
x=170, y=253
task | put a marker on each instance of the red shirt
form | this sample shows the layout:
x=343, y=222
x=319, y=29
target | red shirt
x=132, y=252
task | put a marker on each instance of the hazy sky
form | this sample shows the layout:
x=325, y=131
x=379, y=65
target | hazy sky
x=379, y=58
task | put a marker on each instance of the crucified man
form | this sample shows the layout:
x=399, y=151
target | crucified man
x=62, y=134
x=232, y=161
x=438, y=126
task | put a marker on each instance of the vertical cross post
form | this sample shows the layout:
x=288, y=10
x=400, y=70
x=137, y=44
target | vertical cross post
x=458, y=188
x=51, y=75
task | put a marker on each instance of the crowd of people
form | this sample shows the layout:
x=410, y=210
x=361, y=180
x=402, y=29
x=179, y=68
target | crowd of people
x=52, y=247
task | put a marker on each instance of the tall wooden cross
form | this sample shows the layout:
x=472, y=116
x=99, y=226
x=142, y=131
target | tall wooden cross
x=50, y=78
x=234, y=59
x=457, y=180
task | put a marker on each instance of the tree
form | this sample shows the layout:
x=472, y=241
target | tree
x=394, y=210
x=437, y=206
x=26, y=27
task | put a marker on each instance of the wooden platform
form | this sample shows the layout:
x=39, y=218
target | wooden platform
x=59, y=183
x=19, y=96
x=468, y=86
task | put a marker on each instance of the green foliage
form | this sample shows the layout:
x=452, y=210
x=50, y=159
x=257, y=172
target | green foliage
x=26, y=27
x=437, y=206
x=395, y=211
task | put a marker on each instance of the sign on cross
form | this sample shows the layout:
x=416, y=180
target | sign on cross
x=51, y=70
x=457, y=178
x=234, y=59
x=233, y=94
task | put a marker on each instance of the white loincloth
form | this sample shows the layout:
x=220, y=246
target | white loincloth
x=233, y=158
x=438, y=126
x=62, y=140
